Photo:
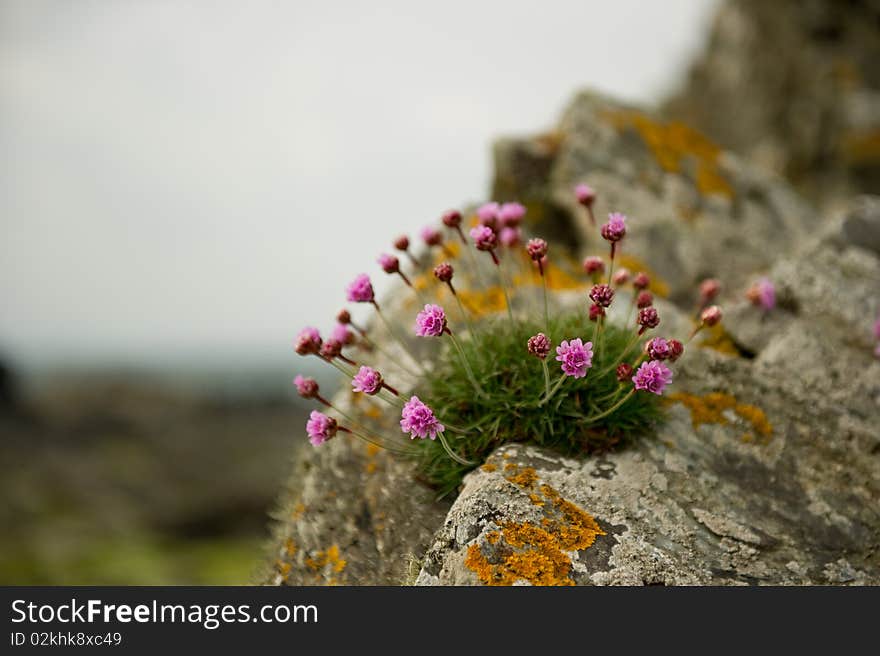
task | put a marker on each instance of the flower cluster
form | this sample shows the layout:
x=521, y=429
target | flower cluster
x=591, y=352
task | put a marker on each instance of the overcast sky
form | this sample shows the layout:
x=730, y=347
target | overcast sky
x=200, y=179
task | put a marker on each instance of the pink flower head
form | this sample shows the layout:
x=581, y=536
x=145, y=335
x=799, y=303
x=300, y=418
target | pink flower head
x=418, y=420
x=488, y=214
x=510, y=215
x=593, y=265
x=615, y=229
x=360, y=290
x=389, y=263
x=653, y=376
x=602, y=295
x=763, y=294
x=431, y=322
x=709, y=289
x=648, y=318
x=331, y=349
x=536, y=248
x=711, y=315
x=484, y=238
x=644, y=299
x=676, y=348
x=641, y=280
x=539, y=346
x=621, y=277
x=585, y=194
x=342, y=334
x=451, y=218
x=401, y=243
x=575, y=356
x=320, y=428
x=443, y=272
x=624, y=372
x=367, y=380
x=658, y=349
x=596, y=311
x=510, y=237
x=308, y=341
x=306, y=387
x=431, y=236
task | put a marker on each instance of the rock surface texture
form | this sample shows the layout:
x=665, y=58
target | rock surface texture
x=767, y=470
x=793, y=85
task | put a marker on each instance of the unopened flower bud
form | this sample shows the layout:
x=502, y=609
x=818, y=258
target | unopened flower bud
x=402, y=243
x=641, y=280
x=602, y=295
x=539, y=345
x=451, y=218
x=644, y=299
x=594, y=265
x=709, y=289
x=621, y=277
x=624, y=372
x=676, y=348
x=711, y=315
x=443, y=272
x=596, y=311
x=389, y=263
x=536, y=248
x=648, y=318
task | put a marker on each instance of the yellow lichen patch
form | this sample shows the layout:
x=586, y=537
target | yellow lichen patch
x=716, y=338
x=290, y=547
x=712, y=408
x=533, y=553
x=674, y=143
x=328, y=558
x=489, y=467
x=372, y=411
x=372, y=451
x=659, y=287
x=298, y=511
x=283, y=569
x=481, y=303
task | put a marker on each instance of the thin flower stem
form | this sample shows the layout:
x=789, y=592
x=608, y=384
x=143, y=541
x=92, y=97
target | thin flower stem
x=389, y=356
x=622, y=355
x=614, y=407
x=546, y=313
x=361, y=436
x=611, y=263
x=502, y=276
x=452, y=454
x=464, y=313
x=553, y=391
x=398, y=339
x=392, y=400
x=467, y=365
x=632, y=304
x=546, y=378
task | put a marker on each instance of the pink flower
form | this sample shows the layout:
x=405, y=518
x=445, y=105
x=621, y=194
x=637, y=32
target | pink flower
x=431, y=322
x=658, y=349
x=596, y=311
x=511, y=214
x=367, y=380
x=709, y=289
x=641, y=280
x=331, y=349
x=308, y=341
x=341, y=334
x=488, y=214
x=451, y=218
x=510, y=236
x=360, y=290
x=621, y=277
x=585, y=194
x=431, y=236
x=763, y=294
x=575, y=356
x=648, y=318
x=320, y=427
x=306, y=387
x=418, y=420
x=711, y=315
x=602, y=295
x=389, y=263
x=484, y=237
x=539, y=346
x=443, y=272
x=615, y=229
x=652, y=376
x=536, y=248
x=593, y=265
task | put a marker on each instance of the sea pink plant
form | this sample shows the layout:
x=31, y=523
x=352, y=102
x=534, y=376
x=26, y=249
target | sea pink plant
x=621, y=277
x=360, y=290
x=389, y=263
x=342, y=334
x=615, y=229
x=306, y=387
x=711, y=315
x=594, y=265
x=585, y=194
x=308, y=341
x=644, y=299
x=510, y=215
x=537, y=249
x=602, y=295
x=658, y=349
x=641, y=280
x=488, y=214
x=575, y=356
x=484, y=238
x=709, y=289
x=367, y=380
x=451, y=218
x=431, y=322
x=510, y=237
x=431, y=236
x=763, y=294
x=443, y=272
x=652, y=376
x=419, y=421
x=320, y=427
x=539, y=346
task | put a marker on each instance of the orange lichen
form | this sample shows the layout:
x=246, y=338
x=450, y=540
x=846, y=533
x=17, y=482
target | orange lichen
x=290, y=547
x=659, y=287
x=489, y=467
x=714, y=408
x=718, y=339
x=673, y=144
x=283, y=569
x=536, y=554
x=482, y=302
x=328, y=558
x=298, y=511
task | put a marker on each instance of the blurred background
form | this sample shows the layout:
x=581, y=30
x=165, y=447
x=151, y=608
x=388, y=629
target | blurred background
x=185, y=185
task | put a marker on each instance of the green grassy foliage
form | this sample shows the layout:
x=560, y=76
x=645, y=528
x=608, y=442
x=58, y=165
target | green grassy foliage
x=513, y=381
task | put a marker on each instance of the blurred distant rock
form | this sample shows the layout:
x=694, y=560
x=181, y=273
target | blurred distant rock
x=793, y=85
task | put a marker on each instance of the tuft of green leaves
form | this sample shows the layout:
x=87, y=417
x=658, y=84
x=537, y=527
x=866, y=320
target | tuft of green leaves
x=513, y=382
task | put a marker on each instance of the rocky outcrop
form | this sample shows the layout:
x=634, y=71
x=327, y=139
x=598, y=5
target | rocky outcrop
x=793, y=86
x=768, y=467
